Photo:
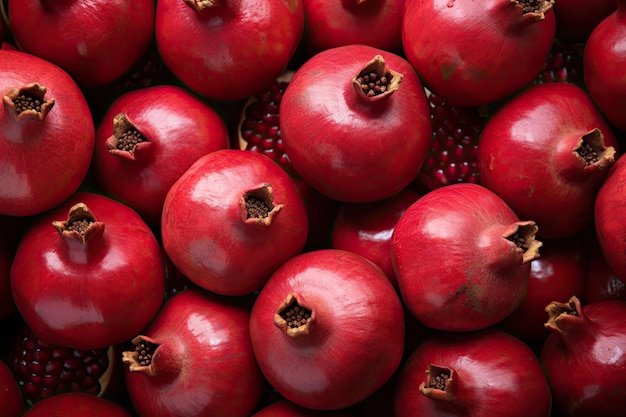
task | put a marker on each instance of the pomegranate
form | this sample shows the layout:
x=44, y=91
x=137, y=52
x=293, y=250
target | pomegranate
x=462, y=257
x=584, y=357
x=228, y=49
x=79, y=269
x=603, y=62
x=327, y=329
x=76, y=404
x=355, y=123
x=284, y=408
x=366, y=228
x=46, y=135
x=576, y=19
x=376, y=23
x=94, y=41
x=545, y=153
x=194, y=359
x=601, y=282
x=558, y=274
x=11, y=397
x=150, y=137
x=468, y=52
x=610, y=209
x=487, y=373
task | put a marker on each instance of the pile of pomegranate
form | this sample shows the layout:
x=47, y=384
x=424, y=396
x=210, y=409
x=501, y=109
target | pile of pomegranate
x=309, y=208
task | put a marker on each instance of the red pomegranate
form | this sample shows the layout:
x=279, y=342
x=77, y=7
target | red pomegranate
x=76, y=404
x=11, y=398
x=94, y=41
x=46, y=135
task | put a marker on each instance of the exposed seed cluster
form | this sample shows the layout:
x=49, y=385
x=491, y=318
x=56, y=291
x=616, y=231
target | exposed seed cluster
x=144, y=351
x=295, y=315
x=519, y=241
x=587, y=152
x=25, y=102
x=79, y=226
x=439, y=381
x=530, y=6
x=129, y=140
x=256, y=207
x=372, y=84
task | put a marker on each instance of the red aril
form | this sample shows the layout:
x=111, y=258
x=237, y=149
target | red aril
x=94, y=41
x=472, y=53
x=194, y=359
x=88, y=274
x=604, y=60
x=228, y=49
x=46, y=135
x=545, y=153
x=147, y=139
x=327, y=329
x=488, y=373
x=462, y=257
x=584, y=357
x=355, y=123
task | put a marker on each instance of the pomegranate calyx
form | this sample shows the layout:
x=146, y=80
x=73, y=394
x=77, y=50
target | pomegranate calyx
x=523, y=235
x=592, y=151
x=126, y=140
x=440, y=383
x=375, y=81
x=561, y=315
x=28, y=102
x=294, y=317
x=257, y=206
x=535, y=9
x=140, y=358
x=200, y=5
x=81, y=225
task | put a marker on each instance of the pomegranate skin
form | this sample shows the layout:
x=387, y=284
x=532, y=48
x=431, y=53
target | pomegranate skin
x=489, y=374
x=45, y=155
x=604, y=59
x=91, y=294
x=11, y=398
x=76, y=404
x=601, y=283
x=202, y=363
x=177, y=129
x=225, y=243
x=530, y=154
x=94, y=41
x=284, y=408
x=610, y=209
x=351, y=344
x=468, y=52
x=456, y=265
x=376, y=23
x=584, y=357
x=228, y=49
x=576, y=19
x=350, y=147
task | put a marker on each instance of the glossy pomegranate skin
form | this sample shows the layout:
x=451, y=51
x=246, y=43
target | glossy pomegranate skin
x=492, y=371
x=366, y=228
x=232, y=48
x=95, y=41
x=603, y=61
x=348, y=147
x=376, y=23
x=76, y=404
x=93, y=295
x=44, y=161
x=527, y=156
x=456, y=266
x=323, y=364
x=576, y=19
x=284, y=408
x=463, y=49
x=601, y=281
x=584, y=359
x=11, y=397
x=178, y=128
x=203, y=366
x=610, y=209
x=557, y=274
x=204, y=227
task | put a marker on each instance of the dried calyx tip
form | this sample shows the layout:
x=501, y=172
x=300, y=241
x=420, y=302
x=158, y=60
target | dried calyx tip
x=29, y=101
x=534, y=8
x=79, y=222
x=126, y=136
x=294, y=317
x=593, y=152
x=375, y=79
x=257, y=205
x=524, y=239
x=142, y=354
